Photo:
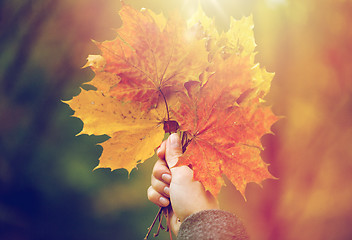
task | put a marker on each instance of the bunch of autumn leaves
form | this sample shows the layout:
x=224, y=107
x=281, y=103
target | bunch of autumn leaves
x=159, y=70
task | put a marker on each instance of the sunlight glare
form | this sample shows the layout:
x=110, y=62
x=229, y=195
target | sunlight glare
x=275, y=3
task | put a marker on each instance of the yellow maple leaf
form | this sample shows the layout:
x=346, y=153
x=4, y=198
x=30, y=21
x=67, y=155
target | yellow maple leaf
x=134, y=133
x=127, y=148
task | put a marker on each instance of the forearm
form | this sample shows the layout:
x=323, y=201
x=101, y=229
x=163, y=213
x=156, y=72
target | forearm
x=214, y=225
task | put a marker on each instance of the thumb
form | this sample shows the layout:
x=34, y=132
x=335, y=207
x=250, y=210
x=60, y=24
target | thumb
x=173, y=149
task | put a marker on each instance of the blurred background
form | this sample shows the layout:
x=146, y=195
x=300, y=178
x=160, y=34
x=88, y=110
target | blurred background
x=47, y=187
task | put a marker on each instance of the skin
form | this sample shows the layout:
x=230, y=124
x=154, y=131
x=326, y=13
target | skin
x=175, y=185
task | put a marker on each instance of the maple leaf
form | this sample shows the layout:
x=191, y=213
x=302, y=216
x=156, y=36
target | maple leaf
x=224, y=118
x=103, y=81
x=223, y=139
x=134, y=133
x=152, y=57
x=159, y=75
x=136, y=73
x=206, y=28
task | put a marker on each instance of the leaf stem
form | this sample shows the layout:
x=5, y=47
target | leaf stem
x=167, y=107
x=151, y=226
x=163, y=212
x=160, y=225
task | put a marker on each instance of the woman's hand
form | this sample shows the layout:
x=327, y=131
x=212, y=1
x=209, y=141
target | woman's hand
x=176, y=185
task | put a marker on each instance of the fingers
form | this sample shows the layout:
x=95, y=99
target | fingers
x=158, y=192
x=157, y=198
x=173, y=149
x=161, y=151
x=161, y=171
x=161, y=178
x=161, y=187
x=170, y=150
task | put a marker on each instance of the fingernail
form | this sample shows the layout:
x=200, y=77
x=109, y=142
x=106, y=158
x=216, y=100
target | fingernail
x=166, y=177
x=163, y=201
x=167, y=191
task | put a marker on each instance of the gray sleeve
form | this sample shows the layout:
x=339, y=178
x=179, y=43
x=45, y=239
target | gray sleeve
x=214, y=225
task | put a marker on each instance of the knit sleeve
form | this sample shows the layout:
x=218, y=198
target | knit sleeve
x=214, y=225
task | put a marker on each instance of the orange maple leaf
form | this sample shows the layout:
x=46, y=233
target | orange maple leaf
x=223, y=139
x=224, y=118
x=135, y=76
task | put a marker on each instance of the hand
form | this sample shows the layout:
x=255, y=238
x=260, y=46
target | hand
x=176, y=184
